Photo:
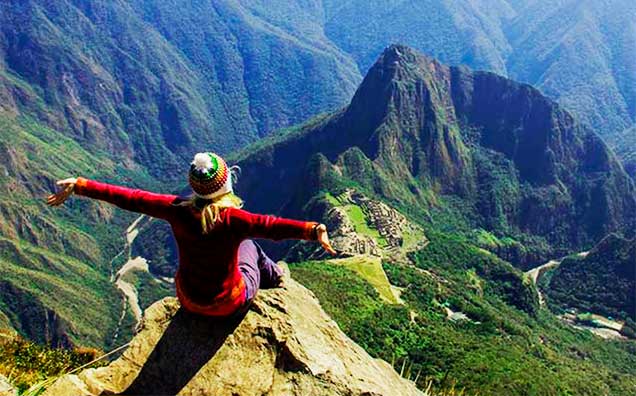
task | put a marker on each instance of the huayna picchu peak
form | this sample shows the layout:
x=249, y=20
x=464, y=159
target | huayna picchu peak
x=423, y=135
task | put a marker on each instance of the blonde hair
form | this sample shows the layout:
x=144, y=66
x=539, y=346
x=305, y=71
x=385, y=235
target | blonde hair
x=212, y=209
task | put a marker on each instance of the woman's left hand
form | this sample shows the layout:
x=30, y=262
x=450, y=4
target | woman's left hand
x=323, y=238
x=68, y=186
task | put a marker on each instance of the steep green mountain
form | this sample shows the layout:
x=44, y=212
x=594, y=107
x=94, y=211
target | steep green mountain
x=153, y=81
x=429, y=171
x=469, y=33
x=624, y=144
x=456, y=149
x=127, y=91
x=579, y=53
x=603, y=282
x=55, y=263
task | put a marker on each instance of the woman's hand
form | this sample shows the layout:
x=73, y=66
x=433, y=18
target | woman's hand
x=68, y=186
x=323, y=238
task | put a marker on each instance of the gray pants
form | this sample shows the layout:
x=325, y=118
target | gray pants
x=258, y=270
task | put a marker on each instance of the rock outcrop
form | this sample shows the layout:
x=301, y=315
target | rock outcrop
x=284, y=345
x=6, y=389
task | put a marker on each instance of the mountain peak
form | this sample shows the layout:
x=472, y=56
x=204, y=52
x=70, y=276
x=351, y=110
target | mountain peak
x=396, y=63
x=417, y=129
x=399, y=52
x=285, y=345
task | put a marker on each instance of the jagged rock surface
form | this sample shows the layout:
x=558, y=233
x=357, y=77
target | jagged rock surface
x=285, y=345
x=5, y=387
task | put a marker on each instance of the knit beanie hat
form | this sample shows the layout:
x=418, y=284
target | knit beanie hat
x=209, y=176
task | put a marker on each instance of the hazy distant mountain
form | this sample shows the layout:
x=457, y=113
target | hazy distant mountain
x=577, y=52
x=624, y=143
x=154, y=81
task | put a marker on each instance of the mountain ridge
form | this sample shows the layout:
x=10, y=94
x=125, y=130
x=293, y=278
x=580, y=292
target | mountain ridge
x=447, y=131
x=601, y=282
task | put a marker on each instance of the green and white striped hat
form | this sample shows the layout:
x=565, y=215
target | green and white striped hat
x=209, y=176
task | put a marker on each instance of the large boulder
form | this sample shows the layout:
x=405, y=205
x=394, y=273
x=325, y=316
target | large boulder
x=285, y=345
x=6, y=389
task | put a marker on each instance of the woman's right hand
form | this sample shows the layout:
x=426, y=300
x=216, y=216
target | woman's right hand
x=323, y=238
x=68, y=186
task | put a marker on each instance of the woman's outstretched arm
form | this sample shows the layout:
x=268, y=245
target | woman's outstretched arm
x=152, y=204
x=252, y=225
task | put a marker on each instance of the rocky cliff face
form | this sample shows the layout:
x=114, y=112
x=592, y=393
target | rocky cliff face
x=285, y=345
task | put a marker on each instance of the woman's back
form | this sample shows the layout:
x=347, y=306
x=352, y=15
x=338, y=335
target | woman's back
x=208, y=229
x=208, y=264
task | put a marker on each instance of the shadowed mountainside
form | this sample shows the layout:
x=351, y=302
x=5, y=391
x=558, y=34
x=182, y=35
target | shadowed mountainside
x=579, y=53
x=437, y=140
x=602, y=282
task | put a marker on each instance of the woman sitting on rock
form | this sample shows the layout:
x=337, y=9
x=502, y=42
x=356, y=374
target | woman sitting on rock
x=220, y=269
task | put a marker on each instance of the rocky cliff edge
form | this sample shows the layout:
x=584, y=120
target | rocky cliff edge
x=285, y=345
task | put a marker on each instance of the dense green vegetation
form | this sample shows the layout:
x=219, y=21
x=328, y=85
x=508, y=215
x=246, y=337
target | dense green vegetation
x=577, y=53
x=370, y=269
x=603, y=282
x=26, y=363
x=500, y=349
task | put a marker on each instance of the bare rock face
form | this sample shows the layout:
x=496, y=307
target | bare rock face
x=285, y=345
x=6, y=389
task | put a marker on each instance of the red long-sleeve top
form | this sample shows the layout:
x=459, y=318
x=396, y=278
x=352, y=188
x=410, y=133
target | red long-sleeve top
x=208, y=279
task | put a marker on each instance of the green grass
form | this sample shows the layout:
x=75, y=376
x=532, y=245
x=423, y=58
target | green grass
x=333, y=201
x=412, y=238
x=26, y=363
x=500, y=352
x=370, y=269
x=361, y=224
